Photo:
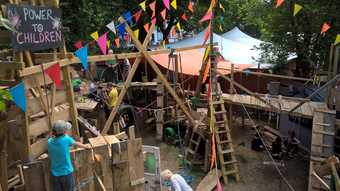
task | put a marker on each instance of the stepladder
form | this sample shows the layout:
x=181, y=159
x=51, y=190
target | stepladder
x=191, y=153
x=224, y=144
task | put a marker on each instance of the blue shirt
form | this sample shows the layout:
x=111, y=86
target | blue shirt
x=59, y=154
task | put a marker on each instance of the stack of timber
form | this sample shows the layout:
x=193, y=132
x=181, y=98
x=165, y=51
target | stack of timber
x=321, y=147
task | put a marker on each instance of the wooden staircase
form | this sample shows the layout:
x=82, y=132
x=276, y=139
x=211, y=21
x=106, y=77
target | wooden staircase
x=225, y=150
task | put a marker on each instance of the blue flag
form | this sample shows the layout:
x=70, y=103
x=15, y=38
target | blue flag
x=121, y=30
x=18, y=95
x=127, y=16
x=82, y=54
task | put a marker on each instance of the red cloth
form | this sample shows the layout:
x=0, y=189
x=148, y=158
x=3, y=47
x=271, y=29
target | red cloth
x=54, y=73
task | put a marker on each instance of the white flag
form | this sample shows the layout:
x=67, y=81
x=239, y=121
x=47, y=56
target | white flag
x=112, y=27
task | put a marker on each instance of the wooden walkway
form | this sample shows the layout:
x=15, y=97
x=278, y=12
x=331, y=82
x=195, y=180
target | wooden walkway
x=284, y=104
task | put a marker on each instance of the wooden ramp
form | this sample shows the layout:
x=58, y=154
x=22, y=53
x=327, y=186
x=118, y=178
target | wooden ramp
x=209, y=182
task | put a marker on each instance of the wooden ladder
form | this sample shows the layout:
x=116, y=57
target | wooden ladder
x=191, y=151
x=224, y=143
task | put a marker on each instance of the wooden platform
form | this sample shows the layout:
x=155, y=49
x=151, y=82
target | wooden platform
x=305, y=111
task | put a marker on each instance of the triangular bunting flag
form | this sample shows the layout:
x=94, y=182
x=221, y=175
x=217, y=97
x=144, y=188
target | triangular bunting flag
x=108, y=44
x=153, y=21
x=117, y=41
x=206, y=53
x=220, y=27
x=174, y=32
x=136, y=33
x=213, y=151
x=212, y=5
x=112, y=27
x=325, y=28
x=146, y=27
x=153, y=8
x=95, y=35
x=207, y=34
x=206, y=71
x=121, y=30
x=184, y=17
x=18, y=96
x=191, y=6
x=54, y=73
x=163, y=14
x=337, y=40
x=178, y=25
x=102, y=43
x=78, y=44
x=142, y=4
x=126, y=38
x=206, y=17
x=138, y=15
x=174, y=4
x=127, y=16
x=279, y=3
x=82, y=55
x=219, y=185
x=167, y=4
x=221, y=7
x=297, y=9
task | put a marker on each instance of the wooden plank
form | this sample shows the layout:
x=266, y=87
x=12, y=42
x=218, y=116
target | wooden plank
x=38, y=148
x=209, y=182
x=84, y=168
x=34, y=176
x=121, y=178
x=42, y=125
x=102, y=153
x=136, y=164
x=35, y=106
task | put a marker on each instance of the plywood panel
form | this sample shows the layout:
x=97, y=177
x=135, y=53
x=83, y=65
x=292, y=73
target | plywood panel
x=136, y=164
x=121, y=178
x=35, y=106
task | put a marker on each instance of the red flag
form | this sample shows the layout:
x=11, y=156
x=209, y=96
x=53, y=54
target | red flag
x=54, y=73
x=153, y=8
x=78, y=44
x=207, y=34
x=163, y=14
x=126, y=38
x=279, y=3
x=206, y=17
x=153, y=21
x=138, y=15
x=325, y=28
x=184, y=17
x=191, y=6
x=117, y=41
x=213, y=151
x=146, y=27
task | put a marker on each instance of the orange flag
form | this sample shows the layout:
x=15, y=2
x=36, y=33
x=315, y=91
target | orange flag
x=117, y=41
x=146, y=27
x=325, y=28
x=191, y=6
x=184, y=17
x=163, y=14
x=174, y=32
x=279, y=3
x=213, y=151
x=137, y=15
x=206, y=72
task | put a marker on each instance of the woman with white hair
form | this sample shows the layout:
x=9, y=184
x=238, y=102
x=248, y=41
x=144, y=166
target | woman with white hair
x=177, y=181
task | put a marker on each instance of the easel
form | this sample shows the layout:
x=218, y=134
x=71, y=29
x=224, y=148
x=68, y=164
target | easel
x=142, y=50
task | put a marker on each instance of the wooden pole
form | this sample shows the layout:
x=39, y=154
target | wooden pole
x=153, y=65
x=127, y=84
x=231, y=91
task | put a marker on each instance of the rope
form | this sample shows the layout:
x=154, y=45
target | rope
x=268, y=152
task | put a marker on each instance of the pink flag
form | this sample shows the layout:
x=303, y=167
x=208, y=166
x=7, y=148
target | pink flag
x=206, y=17
x=137, y=15
x=219, y=185
x=325, y=28
x=153, y=21
x=78, y=44
x=102, y=42
x=54, y=73
x=153, y=8
x=166, y=4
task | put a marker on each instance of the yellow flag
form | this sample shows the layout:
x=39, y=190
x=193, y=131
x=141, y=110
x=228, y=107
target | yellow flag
x=297, y=9
x=221, y=29
x=95, y=35
x=174, y=4
x=337, y=41
x=108, y=44
x=212, y=118
x=136, y=33
x=206, y=53
x=178, y=26
x=142, y=4
x=212, y=5
x=221, y=7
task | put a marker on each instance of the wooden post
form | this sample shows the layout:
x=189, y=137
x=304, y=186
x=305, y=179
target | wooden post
x=159, y=113
x=3, y=170
x=127, y=83
x=231, y=91
x=140, y=47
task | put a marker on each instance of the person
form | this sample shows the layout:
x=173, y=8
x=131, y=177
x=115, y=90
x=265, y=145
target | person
x=177, y=181
x=113, y=95
x=292, y=143
x=257, y=144
x=58, y=148
x=277, y=148
x=126, y=68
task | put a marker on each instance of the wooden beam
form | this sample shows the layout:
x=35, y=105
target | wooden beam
x=153, y=65
x=126, y=84
x=249, y=92
x=74, y=60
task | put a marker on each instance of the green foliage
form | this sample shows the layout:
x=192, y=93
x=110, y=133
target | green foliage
x=4, y=96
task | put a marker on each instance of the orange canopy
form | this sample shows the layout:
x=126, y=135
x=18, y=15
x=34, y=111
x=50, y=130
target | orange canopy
x=191, y=62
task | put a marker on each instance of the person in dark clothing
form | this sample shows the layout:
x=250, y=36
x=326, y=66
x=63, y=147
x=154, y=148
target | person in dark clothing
x=277, y=148
x=257, y=144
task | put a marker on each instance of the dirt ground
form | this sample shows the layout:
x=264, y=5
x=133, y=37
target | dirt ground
x=255, y=175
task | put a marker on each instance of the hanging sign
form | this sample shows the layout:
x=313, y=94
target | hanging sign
x=38, y=28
